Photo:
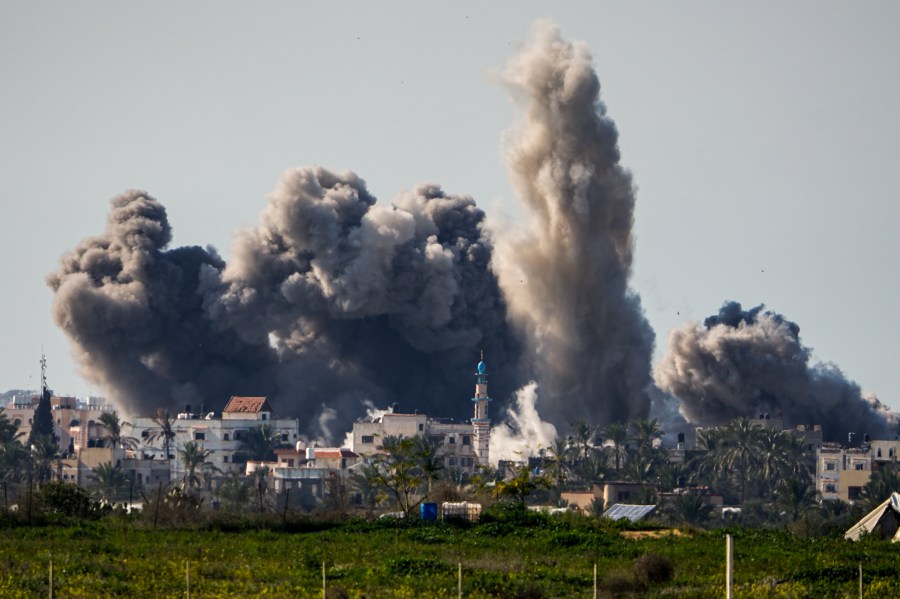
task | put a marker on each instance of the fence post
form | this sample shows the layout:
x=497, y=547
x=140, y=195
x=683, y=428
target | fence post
x=729, y=567
x=860, y=581
x=324, y=586
x=51, y=579
x=459, y=579
x=595, y=580
x=187, y=578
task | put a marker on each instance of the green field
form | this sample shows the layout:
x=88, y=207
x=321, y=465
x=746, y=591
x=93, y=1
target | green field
x=509, y=554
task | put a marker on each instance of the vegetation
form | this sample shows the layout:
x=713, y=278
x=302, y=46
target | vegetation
x=511, y=552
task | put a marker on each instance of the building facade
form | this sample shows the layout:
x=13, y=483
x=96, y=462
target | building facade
x=462, y=446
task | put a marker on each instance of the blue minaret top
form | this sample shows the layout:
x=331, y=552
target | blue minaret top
x=481, y=371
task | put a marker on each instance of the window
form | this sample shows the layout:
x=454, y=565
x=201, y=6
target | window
x=467, y=440
x=879, y=452
x=451, y=440
x=240, y=435
x=198, y=436
x=284, y=437
x=226, y=437
x=145, y=434
x=225, y=458
x=830, y=488
x=264, y=416
x=451, y=462
x=854, y=493
x=368, y=439
x=829, y=465
x=421, y=427
x=859, y=466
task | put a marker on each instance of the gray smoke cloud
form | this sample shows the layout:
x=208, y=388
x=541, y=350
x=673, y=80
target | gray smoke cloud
x=136, y=320
x=332, y=301
x=743, y=362
x=566, y=276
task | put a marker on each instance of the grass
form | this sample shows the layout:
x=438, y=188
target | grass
x=508, y=555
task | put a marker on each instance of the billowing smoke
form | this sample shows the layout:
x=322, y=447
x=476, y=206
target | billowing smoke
x=741, y=363
x=334, y=302
x=566, y=275
x=331, y=301
x=521, y=432
x=136, y=320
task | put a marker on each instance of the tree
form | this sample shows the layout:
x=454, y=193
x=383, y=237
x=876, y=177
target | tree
x=740, y=448
x=110, y=421
x=690, y=509
x=522, y=484
x=558, y=469
x=781, y=457
x=109, y=481
x=795, y=496
x=617, y=434
x=9, y=432
x=401, y=471
x=884, y=481
x=194, y=458
x=165, y=429
x=236, y=492
x=42, y=441
x=260, y=443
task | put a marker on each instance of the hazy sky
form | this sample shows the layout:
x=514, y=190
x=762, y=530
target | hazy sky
x=764, y=139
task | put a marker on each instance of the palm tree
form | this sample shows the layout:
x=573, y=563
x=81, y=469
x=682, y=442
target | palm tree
x=165, y=431
x=796, y=496
x=9, y=432
x=583, y=439
x=194, y=457
x=617, y=434
x=646, y=432
x=690, y=509
x=741, y=443
x=260, y=443
x=781, y=457
x=108, y=481
x=557, y=469
x=110, y=421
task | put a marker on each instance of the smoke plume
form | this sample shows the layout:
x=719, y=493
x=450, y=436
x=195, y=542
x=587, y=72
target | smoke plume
x=741, y=363
x=566, y=275
x=331, y=301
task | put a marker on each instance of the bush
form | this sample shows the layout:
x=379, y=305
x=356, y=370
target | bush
x=653, y=569
x=67, y=499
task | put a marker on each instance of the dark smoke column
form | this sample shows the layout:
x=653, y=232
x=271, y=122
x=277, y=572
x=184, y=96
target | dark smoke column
x=739, y=363
x=566, y=277
x=133, y=311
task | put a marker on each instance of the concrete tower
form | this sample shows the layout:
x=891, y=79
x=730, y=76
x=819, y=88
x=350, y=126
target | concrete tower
x=481, y=423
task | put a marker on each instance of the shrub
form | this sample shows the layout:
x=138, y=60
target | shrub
x=653, y=569
x=67, y=499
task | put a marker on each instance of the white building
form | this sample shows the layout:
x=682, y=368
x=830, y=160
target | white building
x=463, y=446
x=223, y=436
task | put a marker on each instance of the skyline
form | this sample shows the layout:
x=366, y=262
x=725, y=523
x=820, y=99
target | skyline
x=700, y=151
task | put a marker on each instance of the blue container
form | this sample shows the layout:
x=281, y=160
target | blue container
x=429, y=511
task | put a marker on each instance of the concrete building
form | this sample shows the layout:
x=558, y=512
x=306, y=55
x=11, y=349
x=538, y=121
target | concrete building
x=463, y=446
x=75, y=421
x=222, y=435
x=841, y=472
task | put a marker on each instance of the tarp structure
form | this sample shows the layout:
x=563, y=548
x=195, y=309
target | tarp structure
x=883, y=521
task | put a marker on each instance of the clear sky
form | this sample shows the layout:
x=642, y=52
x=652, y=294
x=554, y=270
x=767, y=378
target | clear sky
x=764, y=139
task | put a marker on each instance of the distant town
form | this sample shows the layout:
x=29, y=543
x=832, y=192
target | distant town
x=223, y=457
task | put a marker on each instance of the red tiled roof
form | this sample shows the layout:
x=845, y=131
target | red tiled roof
x=247, y=404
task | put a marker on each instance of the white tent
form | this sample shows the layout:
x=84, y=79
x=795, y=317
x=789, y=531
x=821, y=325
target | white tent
x=883, y=520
